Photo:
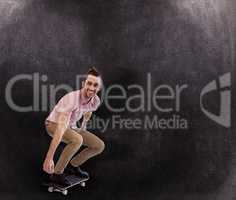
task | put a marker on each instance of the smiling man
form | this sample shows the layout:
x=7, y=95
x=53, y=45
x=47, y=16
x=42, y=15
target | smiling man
x=61, y=126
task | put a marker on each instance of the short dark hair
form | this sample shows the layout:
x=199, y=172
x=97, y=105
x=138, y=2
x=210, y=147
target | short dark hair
x=93, y=71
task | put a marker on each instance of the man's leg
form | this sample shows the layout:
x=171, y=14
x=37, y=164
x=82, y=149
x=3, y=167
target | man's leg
x=73, y=141
x=94, y=147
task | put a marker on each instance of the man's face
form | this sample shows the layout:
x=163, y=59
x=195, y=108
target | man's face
x=92, y=85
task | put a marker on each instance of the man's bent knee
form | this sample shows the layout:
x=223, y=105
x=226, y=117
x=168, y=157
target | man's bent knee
x=99, y=147
x=77, y=140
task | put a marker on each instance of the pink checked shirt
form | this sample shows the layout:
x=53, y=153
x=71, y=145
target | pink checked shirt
x=75, y=105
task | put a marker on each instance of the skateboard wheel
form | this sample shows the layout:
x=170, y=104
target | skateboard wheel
x=50, y=189
x=82, y=184
x=65, y=192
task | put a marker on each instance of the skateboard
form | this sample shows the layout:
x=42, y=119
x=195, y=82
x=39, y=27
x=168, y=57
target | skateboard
x=74, y=180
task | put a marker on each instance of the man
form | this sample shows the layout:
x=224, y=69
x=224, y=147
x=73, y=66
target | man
x=61, y=126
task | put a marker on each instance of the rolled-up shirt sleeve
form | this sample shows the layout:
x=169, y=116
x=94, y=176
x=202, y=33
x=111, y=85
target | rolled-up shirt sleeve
x=95, y=103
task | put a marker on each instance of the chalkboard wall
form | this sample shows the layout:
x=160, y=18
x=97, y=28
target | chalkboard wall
x=179, y=46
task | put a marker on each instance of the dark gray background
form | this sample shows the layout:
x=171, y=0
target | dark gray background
x=178, y=42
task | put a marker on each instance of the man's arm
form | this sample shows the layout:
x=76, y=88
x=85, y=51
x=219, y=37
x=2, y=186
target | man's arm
x=57, y=136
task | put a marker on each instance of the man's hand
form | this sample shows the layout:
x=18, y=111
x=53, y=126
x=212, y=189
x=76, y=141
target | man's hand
x=48, y=166
x=87, y=116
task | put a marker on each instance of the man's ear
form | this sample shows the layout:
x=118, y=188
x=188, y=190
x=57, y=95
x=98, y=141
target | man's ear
x=101, y=85
x=83, y=83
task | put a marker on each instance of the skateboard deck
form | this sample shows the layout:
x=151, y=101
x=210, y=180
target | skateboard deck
x=74, y=180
